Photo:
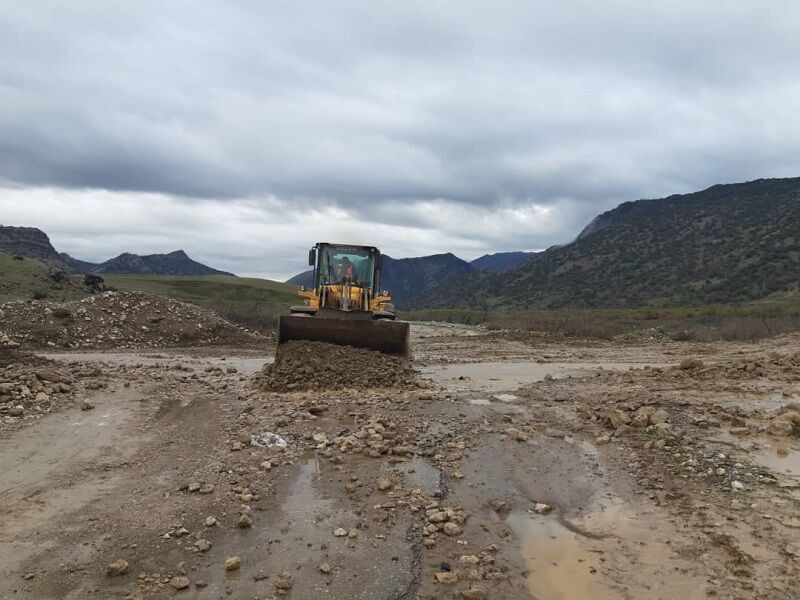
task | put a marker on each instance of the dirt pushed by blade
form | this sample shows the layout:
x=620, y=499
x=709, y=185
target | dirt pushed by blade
x=388, y=337
x=303, y=365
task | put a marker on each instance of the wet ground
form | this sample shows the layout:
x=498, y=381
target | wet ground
x=500, y=478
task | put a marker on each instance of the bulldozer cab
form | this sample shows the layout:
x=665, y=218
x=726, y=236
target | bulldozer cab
x=336, y=264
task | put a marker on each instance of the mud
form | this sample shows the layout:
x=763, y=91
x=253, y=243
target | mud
x=661, y=478
x=301, y=365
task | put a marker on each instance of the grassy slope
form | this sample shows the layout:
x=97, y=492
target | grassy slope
x=28, y=278
x=246, y=300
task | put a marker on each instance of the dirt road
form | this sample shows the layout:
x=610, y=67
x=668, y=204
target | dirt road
x=522, y=467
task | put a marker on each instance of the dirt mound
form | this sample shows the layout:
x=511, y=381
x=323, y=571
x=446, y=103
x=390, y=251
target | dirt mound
x=116, y=320
x=303, y=365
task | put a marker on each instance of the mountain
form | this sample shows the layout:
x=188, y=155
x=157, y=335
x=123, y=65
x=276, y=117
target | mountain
x=305, y=278
x=406, y=278
x=500, y=261
x=78, y=266
x=728, y=243
x=174, y=263
x=29, y=242
x=34, y=243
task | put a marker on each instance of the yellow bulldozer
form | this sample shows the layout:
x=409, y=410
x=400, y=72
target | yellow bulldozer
x=346, y=305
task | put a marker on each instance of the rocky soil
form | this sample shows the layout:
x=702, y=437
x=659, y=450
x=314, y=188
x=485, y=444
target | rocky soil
x=301, y=365
x=117, y=320
x=507, y=465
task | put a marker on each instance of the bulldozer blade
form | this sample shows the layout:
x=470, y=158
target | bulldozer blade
x=388, y=337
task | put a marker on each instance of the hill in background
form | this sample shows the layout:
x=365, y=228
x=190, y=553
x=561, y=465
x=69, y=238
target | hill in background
x=729, y=243
x=31, y=242
x=27, y=278
x=501, y=261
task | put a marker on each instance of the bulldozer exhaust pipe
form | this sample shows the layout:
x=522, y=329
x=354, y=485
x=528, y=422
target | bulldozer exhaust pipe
x=388, y=337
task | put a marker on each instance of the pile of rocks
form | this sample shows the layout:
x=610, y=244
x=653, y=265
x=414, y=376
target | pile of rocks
x=29, y=390
x=303, y=365
x=117, y=320
x=376, y=437
x=442, y=519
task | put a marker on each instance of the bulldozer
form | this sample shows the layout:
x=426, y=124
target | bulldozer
x=346, y=305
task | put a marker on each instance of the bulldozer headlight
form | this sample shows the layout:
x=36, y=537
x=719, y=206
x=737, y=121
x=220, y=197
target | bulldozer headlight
x=302, y=288
x=384, y=292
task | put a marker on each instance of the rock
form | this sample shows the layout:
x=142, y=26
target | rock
x=660, y=416
x=245, y=521
x=540, y=508
x=283, y=581
x=340, y=532
x=325, y=568
x=473, y=594
x=451, y=529
x=206, y=488
x=447, y=577
x=87, y=405
x=739, y=431
x=603, y=439
x=200, y=583
x=616, y=417
x=50, y=375
x=193, y=486
x=737, y=486
x=640, y=420
x=202, y=545
x=117, y=568
x=233, y=563
x=211, y=521
x=16, y=411
x=437, y=516
x=792, y=549
x=384, y=484
x=179, y=583
x=781, y=426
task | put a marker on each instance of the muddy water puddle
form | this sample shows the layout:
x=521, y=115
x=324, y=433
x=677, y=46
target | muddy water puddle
x=418, y=473
x=295, y=534
x=779, y=457
x=607, y=554
x=770, y=402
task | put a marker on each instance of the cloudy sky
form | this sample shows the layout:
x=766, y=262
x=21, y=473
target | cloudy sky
x=243, y=131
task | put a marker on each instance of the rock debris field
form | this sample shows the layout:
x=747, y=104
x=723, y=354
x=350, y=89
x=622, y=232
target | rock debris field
x=173, y=461
x=117, y=320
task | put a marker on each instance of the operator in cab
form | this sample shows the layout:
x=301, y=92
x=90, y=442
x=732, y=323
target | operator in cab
x=347, y=272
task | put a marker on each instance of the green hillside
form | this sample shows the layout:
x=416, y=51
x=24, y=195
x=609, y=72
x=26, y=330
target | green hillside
x=245, y=300
x=728, y=244
x=27, y=279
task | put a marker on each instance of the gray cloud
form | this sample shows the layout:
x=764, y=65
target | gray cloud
x=428, y=119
